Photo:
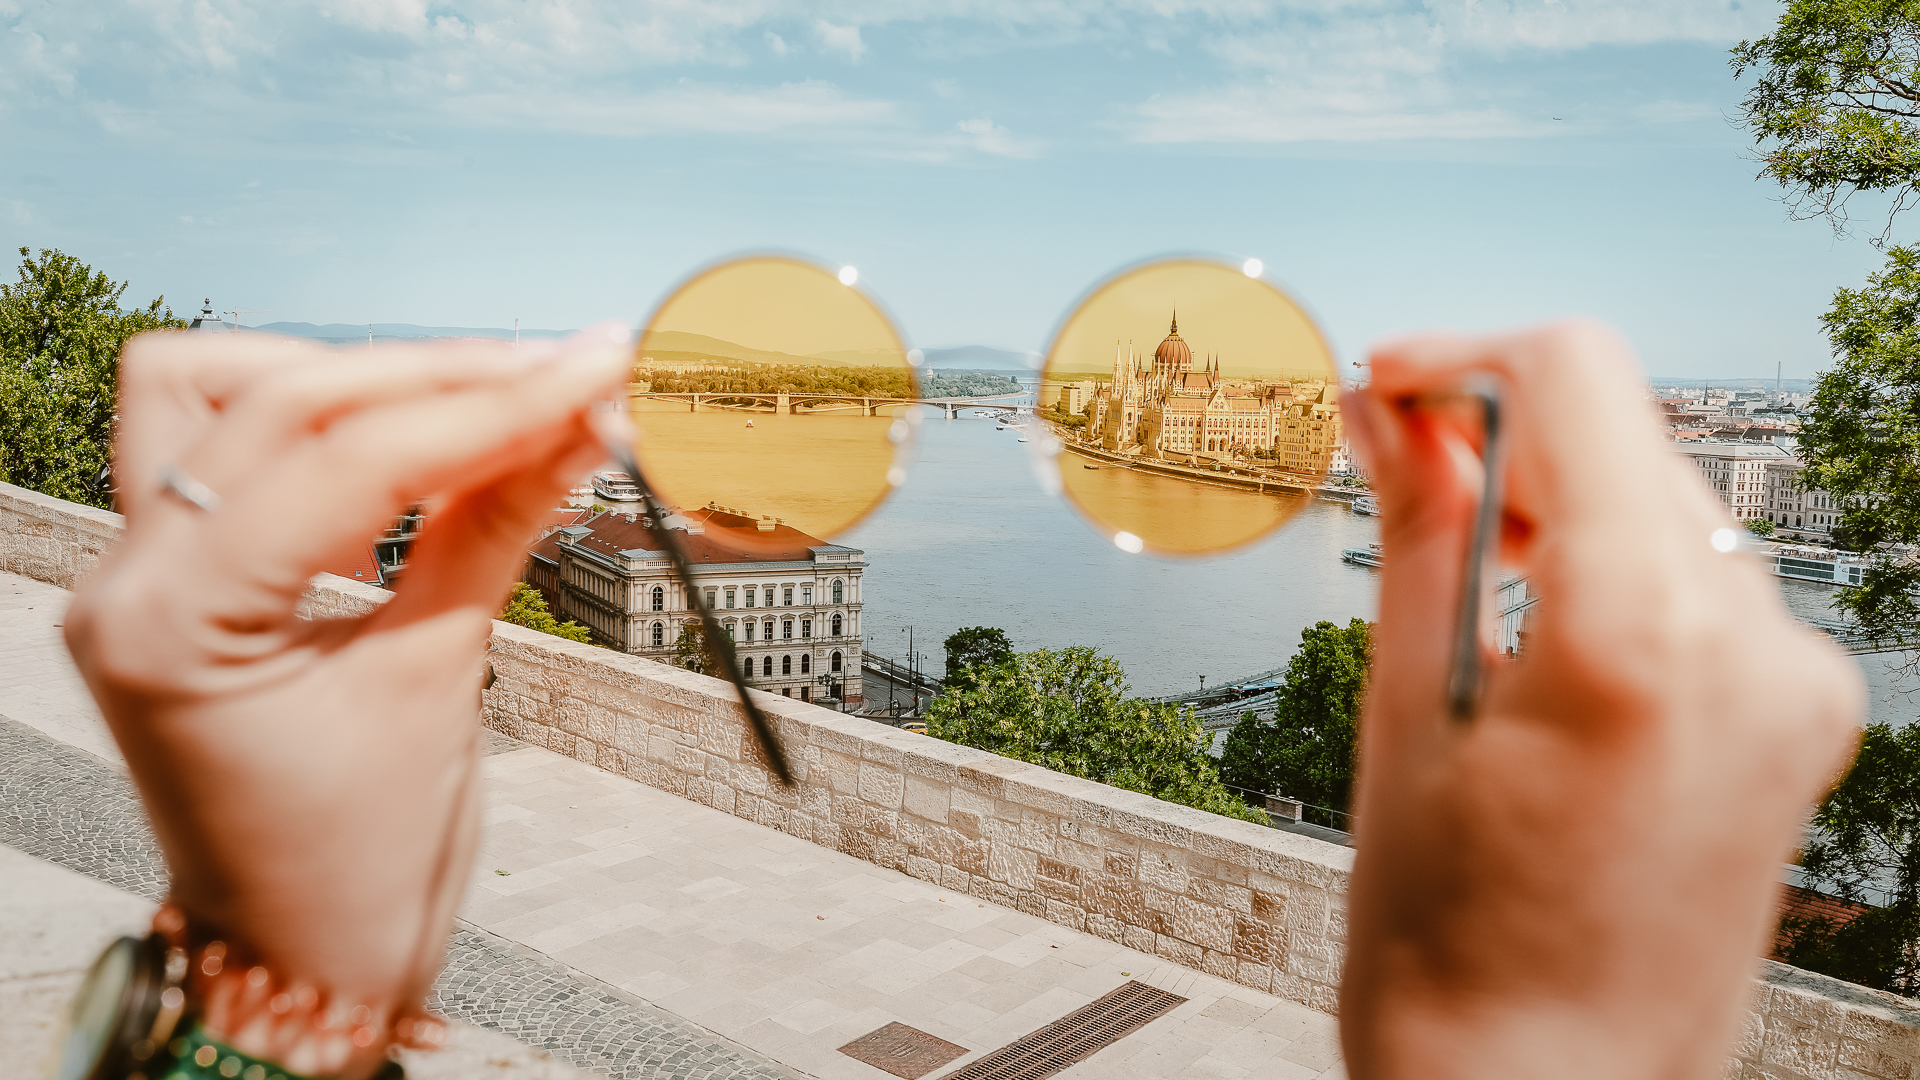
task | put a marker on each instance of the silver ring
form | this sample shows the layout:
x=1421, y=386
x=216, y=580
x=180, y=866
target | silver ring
x=188, y=490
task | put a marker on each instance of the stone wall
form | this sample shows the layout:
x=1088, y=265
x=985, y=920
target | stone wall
x=1258, y=906
x=50, y=539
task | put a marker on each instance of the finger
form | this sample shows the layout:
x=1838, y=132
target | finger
x=474, y=547
x=363, y=469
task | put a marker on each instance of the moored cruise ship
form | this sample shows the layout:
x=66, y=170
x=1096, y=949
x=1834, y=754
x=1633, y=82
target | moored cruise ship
x=615, y=487
x=1817, y=564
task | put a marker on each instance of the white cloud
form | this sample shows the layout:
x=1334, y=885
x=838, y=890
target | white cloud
x=799, y=109
x=990, y=138
x=841, y=39
x=776, y=43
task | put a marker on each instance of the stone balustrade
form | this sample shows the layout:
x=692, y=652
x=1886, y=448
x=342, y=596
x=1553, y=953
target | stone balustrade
x=1261, y=907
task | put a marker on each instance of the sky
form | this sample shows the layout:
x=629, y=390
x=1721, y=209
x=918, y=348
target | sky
x=1395, y=164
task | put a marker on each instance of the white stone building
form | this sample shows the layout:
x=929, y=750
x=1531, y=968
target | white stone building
x=1806, y=513
x=790, y=601
x=1736, y=472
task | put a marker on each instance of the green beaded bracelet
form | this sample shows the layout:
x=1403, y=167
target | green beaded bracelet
x=196, y=1056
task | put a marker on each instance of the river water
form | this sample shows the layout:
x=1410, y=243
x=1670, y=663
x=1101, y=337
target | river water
x=971, y=540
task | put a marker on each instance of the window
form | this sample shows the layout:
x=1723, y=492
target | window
x=836, y=630
x=766, y=665
x=806, y=595
x=769, y=597
x=835, y=661
x=729, y=597
x=806, y=628
x=729, y=629
x=786, y=665
x=751, y=593
x=659, y=598
x=836, y=594
x=804, y=691
x=746, y=667
x=786, y=596
x=659, y=634
x=710, y=591
x=786, y=691
x=806, y=663
x=786, y=629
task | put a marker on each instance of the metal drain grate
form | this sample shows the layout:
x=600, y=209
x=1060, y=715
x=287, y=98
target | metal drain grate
x=908, y=1053
x=1074, y=1037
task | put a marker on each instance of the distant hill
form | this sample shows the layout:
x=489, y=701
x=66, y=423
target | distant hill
x=982, y=358
x=399, y=331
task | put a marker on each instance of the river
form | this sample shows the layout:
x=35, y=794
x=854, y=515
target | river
x=971, y=540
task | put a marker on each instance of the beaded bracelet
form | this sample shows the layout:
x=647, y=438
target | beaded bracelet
x=198, y=1056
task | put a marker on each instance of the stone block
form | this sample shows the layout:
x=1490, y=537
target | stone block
x=952, y=877
x=1236, y=898
x=1114, y=896
x=1176, y=950
x=1164, y=868
x=880, y=785
x=1064, y=914
x=1137, y=938
x=923, y=868
x=1206, y=926
x=1314, y=995
x=1307, y=912
x=1259, y=941
x=1059, y=871
x=965, y=822
x=1012, y=866
x=1257, y=975
x=1123, y=861
x=1105, y=927
x=927, y=798
x=1058, y=892
x=1307, y=967
x=1802, y=1048
x=1874, y=1062
x=1220, y=965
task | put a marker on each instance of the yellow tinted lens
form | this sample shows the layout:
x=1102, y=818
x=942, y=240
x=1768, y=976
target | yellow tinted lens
x=1198, y=406
x=770, y=393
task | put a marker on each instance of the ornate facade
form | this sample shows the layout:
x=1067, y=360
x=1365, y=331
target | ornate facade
x=1170, y=409
x=790, y=601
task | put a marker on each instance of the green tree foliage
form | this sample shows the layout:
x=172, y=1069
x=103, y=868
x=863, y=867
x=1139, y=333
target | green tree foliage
x=1834, y=102
x=526, y=607
x=1866, y=845
x=1760, y=527
x=1306, y=751
x=953, y=383
x=1861, y=439
x=979, y=648
x=689, y=649
x=61, y=330
x=743, y=377
x=1068, y=710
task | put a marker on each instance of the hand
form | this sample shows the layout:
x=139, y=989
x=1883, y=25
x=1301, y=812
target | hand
x=312, y=783
x=1579, y=881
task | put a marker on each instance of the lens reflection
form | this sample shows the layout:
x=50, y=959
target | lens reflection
x=767, y=387
x=1198, y=406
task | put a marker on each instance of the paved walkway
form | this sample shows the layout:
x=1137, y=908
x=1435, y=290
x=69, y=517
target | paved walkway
x=752, y=943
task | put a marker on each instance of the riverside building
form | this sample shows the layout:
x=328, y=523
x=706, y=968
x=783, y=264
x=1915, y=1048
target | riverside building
x=790, y=601
x=1737, y=473
x=1171, y=409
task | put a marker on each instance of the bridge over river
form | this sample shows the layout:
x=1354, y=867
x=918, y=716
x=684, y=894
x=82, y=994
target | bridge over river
x=783, y=402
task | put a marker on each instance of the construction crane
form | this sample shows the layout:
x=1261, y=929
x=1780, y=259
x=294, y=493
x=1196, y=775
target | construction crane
x=237, y=312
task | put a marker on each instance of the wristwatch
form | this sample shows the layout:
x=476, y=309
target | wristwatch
x=126, y=1015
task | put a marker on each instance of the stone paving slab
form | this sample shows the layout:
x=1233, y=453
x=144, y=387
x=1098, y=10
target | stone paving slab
x=738, y=932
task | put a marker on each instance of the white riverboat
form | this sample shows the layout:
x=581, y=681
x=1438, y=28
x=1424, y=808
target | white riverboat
x=1817, y=564
x=1371, y=555
x=1368, y=505
x=615, y=487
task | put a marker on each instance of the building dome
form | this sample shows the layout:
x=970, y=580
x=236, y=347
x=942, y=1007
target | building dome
x=1173, y=352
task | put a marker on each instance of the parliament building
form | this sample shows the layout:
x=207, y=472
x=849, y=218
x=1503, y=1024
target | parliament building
x=1170, y=409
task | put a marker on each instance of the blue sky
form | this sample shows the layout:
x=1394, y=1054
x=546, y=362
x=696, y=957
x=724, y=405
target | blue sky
x=1468, y=163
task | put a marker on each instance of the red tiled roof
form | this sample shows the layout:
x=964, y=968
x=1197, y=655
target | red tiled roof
x=1796, y=902
x=727, y=537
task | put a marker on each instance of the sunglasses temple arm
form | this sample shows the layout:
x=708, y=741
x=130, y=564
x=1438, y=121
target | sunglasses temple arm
x=1463, y=689
x=718, y=645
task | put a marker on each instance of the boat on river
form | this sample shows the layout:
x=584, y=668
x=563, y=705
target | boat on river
x=1817, y=564
x=1372, y=555
x=1368, y=505
x=615, y=487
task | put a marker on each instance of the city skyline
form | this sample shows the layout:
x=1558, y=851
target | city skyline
x=1396, y=165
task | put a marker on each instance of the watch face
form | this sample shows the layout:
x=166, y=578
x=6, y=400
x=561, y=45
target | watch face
x=94, y=1018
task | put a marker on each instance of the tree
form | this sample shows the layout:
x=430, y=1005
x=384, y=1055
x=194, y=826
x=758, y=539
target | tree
x=1834, y=104
x=1760, y=527
x=61, y=331
x=1835, y=109
x=976, y=647
x=526, y=607
x=1866, y=845
x=1306, y=751
x=1861, y=440
x=1068, y=710
x=690, y=648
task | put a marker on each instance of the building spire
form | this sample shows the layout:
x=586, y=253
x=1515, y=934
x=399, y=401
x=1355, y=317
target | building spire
x=1174, y=327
